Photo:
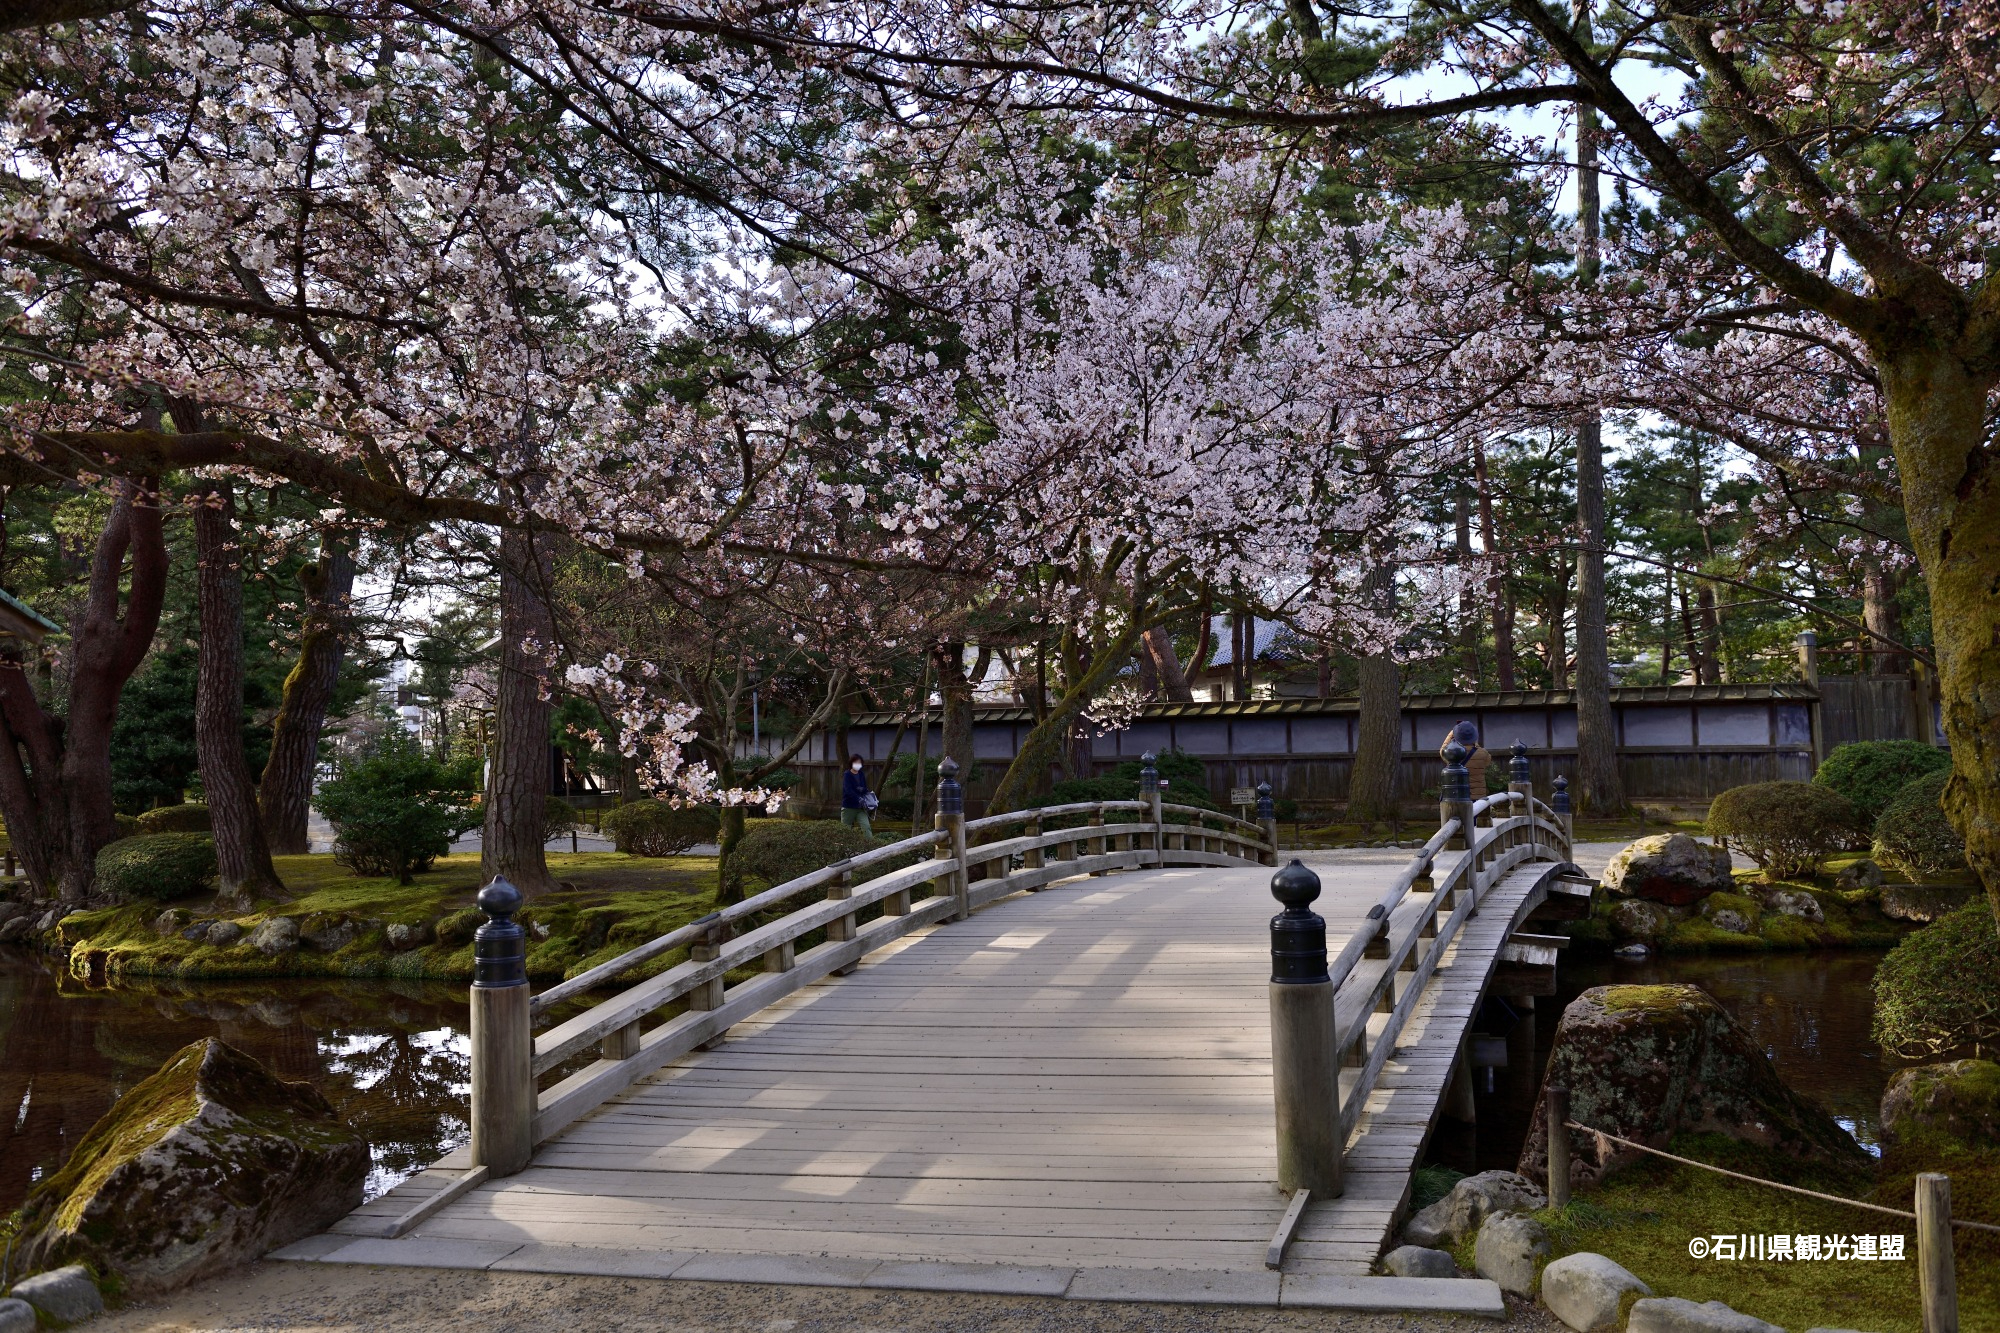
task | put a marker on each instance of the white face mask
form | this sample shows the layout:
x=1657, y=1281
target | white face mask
x=855, y=767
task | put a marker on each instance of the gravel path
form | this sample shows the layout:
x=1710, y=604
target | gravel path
x=330, y=1298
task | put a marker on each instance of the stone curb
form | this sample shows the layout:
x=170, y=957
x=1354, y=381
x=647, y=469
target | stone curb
x=1471, y=1296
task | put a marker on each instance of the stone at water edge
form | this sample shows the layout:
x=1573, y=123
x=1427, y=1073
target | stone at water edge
x=16, y=1316
x=1671, y=1314
x=1669, y=868
x=1924, y=902
x=1725, y=918
x=1863, y=874
x=1509, y=1250
x=1416, y=1261
x=1792, y=902
x=207, y=1164
x=275, y=935
x=66, y=1295
x=1586, y=1291
x=1650, y=1062
x=1957, y=1101
x=1637, y=919
x=1471, y=1201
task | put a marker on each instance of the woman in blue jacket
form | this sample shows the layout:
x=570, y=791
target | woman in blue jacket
x=855, y=798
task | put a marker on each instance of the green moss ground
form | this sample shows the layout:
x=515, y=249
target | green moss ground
x=613, y=903
x=1644, y=1217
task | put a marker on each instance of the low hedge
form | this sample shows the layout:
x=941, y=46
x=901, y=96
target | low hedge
x=1914, y=836
x=186, y=818
x=1940, y=988
x=157, y=865
x=654, y=828
x=776, y=850
x=1787, y=828
x=1871, y=773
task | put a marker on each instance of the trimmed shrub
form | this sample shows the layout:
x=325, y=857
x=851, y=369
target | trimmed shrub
x=157, y=865
x=396, y=809
x=187, y=818
x=1940, y=988
x=1787, y=828
x=1186, y=778
x=1913, y=834
x=559, y=818
x=654, y=828
x=775, y=850
x=1870, y=773
x=128, y=826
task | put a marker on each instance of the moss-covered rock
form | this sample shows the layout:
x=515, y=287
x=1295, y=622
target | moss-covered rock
x=1650, y=1063
x=1958, y=1101
x=207, y=1164
x=1669, y=868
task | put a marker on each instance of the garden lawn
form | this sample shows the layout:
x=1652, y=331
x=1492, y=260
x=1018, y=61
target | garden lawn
x=610, y=902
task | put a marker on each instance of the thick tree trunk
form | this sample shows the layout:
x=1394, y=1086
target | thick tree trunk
x=1711, y=634
x=1950, y=471
x=284, y=795
x=728, y=876
x=243, y=861
x=1378, y=748
x=1468, y=613
x=1049, y=740
x=1159, y=649
x=517, y=783
x=55, y=773
x=1882, y=615
x=955, y=694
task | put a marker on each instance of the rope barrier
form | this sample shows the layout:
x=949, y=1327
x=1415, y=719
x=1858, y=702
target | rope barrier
x=1604, y=1137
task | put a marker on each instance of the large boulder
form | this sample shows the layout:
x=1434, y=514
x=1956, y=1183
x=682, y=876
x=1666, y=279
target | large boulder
x=1648, y=1063
x=1669, y=868
x=1924, y=902
x=1587, y=1291
x=1671, y=1314
x=275, y=935
x=1637, y=919
x=1416, y=1261
x=1510, y=1251
x=1471, y=1201
x=207, y=1164
x=66, y=1296
x=1952, y=1104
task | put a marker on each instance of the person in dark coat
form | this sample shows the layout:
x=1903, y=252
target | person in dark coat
x=856, y=801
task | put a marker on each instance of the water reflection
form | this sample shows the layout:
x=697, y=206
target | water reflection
x=392, y=1056
x=1811, y=1013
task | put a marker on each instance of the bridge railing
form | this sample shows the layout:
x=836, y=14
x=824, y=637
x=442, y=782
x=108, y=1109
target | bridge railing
x=743, y=958
x=1335, y=1023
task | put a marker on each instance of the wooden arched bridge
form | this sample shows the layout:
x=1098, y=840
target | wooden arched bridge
x=1029, y=1053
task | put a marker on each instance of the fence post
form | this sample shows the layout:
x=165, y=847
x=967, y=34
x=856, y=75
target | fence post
x=1267, y=817
x=1032, y=859
x=1304, y=1077
x=1936, y=1276
x=503, y=1043
x=1455, y=797
x=1096, y=846
x=1556, y=1111
x=950, y=820
x=1560, y=804
x=842, y=928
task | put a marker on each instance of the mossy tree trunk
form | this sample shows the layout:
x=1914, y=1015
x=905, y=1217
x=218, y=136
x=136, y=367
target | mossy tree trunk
x=55, y=771
x=284, y=794
x=517, y=781
x=243, y=860
x=1378, y=748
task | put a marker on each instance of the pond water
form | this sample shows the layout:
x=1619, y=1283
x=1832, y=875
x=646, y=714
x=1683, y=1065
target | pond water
x=1811, y=1013
x=392, y=1056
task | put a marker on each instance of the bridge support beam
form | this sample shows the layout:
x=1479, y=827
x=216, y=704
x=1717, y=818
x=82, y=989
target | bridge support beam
x=1304, y=1073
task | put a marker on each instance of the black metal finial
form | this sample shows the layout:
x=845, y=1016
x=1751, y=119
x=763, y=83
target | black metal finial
x=1266, y=808
x=1457, y=783
x=1520, y=773
x=950, y=795
x=1149, y=773
x=1560, y=801
x=1298, y=934
x=500, y=947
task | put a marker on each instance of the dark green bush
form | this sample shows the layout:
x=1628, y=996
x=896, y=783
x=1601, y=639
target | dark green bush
x=559, y=818
x=1870, y=773
x=186, y=818
x=775, y=850
x=1914, y=836
x=1940, y=988
x=1787, y=828
x=654, y=828
x=157, y=865
x=128, y=825
x=1186, y=777
x=395, y=810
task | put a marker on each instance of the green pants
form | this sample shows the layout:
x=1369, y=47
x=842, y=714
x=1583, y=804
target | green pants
x=857, y=819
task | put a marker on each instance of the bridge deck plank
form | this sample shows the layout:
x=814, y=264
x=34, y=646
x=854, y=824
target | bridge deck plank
x=1079, y=1077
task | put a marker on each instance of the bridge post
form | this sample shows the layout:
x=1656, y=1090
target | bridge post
x=1304, y=1075
x=950, y=820
x=1521, y=783
x=1455, y=797
x=1267, y=818
x=1559, y=802
x=1032, y=859
x=503, y=1043
x=1149, y=792
x=1097, y=846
